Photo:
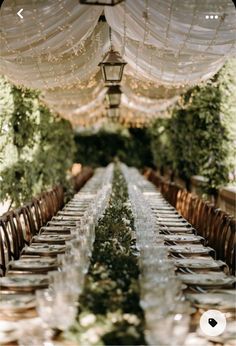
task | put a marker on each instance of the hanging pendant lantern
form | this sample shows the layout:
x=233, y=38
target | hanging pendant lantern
x=112, y=67
x=101, y=2
x=113, y=95
x=113, y=112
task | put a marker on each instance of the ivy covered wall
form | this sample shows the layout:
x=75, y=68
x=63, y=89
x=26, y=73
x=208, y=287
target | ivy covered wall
x=200, y=136
x=36, y=147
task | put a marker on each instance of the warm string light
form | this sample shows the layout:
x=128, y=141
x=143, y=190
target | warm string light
x=124, y=30
x=54, y=60
x=46, y=58
x=146, y=20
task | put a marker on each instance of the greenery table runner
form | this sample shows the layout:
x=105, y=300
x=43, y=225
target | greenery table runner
x=109, y=311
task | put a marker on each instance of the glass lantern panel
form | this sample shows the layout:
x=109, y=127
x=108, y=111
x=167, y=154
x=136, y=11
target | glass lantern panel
x=113, y=73
x=114, y=99
x=113, y=112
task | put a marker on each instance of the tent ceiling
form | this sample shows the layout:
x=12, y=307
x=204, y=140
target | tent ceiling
x=168, y=45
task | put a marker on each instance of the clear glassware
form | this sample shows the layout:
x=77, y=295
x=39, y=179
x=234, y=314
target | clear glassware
x=159, y=331
x=67, y=309
x=56, y=308
x=60, y=259
x=34, y=333
x=46, y=307
x=181, y=322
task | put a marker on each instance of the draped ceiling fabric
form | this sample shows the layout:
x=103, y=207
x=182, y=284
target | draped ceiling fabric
x=168, y=45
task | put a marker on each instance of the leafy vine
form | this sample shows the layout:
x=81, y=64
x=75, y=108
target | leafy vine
x=37, y=147
x=197, y=139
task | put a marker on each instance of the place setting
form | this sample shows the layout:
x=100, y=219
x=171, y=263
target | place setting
x=190, y=250
x=221, y=301
x=33, y=265
x=23, y=283
x=43, y=249
x=186, y=238
x=61, y=223
x=64, y=230
x=8, y=332
x=208, y=280
x=57, y=239
x=200, y=263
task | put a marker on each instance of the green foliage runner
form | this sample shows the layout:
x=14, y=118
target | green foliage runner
x=110, y=313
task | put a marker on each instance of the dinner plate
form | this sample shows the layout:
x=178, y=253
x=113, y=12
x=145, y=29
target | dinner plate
x=187, y=238
x=170, y=220
x=16, y=302
x=43, y=249
x=55, y=228
x=74, y=211
x=6, y=338
x=52, y=230
x=173, y=224
x=51, y=238
x=219, y=301
x=24, y=282
x=191, y=249
x=178, y=225
x=31, y=263
x=166, y=213
x=178, y=230
x=77, y=206
x=83, y=203
x=208, y=280
x=227, y=291
x=66, y=218
x=62, y=223
x=162, y=208
x=46, y=246
x=198, y=263
x=171, y=217
x=7, y=326
x=70, y=213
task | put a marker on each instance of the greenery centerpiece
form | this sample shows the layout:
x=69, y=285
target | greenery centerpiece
x=109, y=312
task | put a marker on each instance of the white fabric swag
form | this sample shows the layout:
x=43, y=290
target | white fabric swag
x=168, y=45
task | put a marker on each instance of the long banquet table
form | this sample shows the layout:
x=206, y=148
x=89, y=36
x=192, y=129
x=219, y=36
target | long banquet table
x=206, y=283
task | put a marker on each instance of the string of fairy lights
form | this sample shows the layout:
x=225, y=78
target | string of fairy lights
x=123, y=60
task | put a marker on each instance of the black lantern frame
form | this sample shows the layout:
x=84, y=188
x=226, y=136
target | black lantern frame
x=100, y=2
x=113, y=95
x=112, y=67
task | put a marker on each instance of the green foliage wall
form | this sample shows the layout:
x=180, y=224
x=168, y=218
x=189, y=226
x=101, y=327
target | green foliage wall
x=160, y=144
x=36, y=148
x=198, y=139
x=130, y=146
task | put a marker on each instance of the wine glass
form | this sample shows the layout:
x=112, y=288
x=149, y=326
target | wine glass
x=57, y=309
